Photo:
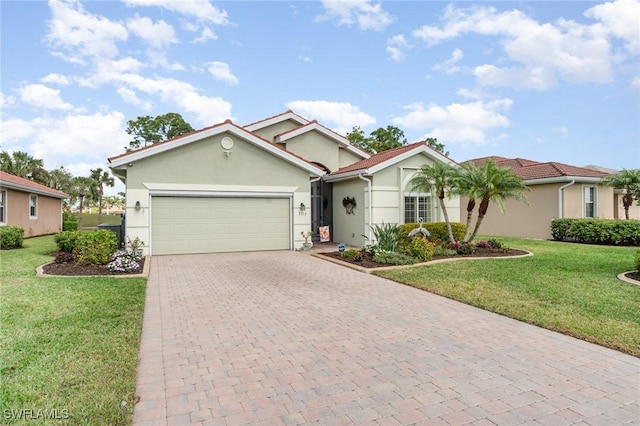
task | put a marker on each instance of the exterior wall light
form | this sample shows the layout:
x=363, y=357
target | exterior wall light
x=138, y=205
x=303, y=207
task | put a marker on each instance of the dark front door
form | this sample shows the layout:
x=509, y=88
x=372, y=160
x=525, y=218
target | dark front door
x=321, y=207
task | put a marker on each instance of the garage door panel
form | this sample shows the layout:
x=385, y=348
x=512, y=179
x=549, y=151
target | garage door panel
x=206, y=225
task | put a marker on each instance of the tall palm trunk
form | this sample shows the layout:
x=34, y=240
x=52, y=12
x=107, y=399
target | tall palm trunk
x=627, y=201
x=446, y=217
x=100, y=207
x=484, y=206
x=470, y=206
x=80, y=213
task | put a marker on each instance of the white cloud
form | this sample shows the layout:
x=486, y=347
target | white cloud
x=341, y=115
x=53, y=78
x=620, y=19
x=41, y=96
x=6, y=101
x=205, y=35
x=75, y=138
x=449, y=66
x=395, y=46
x=157, y=35
x=541, y=53
x=130, y=97
x=199, y=9
x=367, y=15
x=83, y=34
x=562, y=131
x=464, y=124
x=635, y=84
x=221, y=71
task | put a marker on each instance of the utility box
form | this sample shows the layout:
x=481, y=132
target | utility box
x=117, y=229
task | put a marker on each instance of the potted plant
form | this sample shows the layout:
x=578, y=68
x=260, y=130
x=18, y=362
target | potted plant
x=306, y=246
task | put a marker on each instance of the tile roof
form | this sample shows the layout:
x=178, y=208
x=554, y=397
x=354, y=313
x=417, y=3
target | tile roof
x=8, y=180
x=380, y=157
x=531, y=170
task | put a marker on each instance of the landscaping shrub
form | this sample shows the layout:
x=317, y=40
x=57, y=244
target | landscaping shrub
x=11, y=237
x=495, y=243
x=66, y=240
x=597, y=231
x=421, y=249
x=63, y=257
x=464, y=248
x=95, y=247
x=386, y=236
x=484, y=244
x=637, y=260
x=393, y=258
x=351, y=253
x=69, y=222
x=441, y=250
x=437, y=230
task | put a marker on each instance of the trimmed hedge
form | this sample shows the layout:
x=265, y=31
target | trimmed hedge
x=95, y=247
x=11, y=237
x=616, y=232
x=66, y=240
x=437, y=230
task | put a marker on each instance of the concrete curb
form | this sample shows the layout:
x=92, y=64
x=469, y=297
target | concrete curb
x=431, y=262
x=144, y=274
x=621, y=277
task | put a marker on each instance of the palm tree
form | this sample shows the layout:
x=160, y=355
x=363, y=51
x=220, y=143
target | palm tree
x=101, y=178
x=81, y=188
x=496, y=185
x=468, y=183
x=21, y=164
x=629, y=181
x=439, y=178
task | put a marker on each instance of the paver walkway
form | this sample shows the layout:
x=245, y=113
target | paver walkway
x=283, y=338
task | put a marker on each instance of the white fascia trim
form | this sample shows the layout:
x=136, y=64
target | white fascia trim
x=563, y=179
x=347, y=175
x=226, y=127
x=326, y=132
x=421, y=149
x=220, y=194
x=275, y=120
x=29, y=189
x=194, y=187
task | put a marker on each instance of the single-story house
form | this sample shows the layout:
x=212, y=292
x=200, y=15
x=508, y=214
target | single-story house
x=34, y=207
x=557, y=191
x=263, y=185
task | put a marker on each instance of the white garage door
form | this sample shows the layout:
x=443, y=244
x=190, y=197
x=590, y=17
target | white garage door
x=181, y=225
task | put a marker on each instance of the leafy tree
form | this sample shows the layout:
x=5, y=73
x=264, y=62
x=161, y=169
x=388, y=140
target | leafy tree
x=439, y=178
x=379, y=140
x=433, y=143
x=100, y=179
x=495, y=184
x=629, y=181
x=22, y=164
x=147, y=130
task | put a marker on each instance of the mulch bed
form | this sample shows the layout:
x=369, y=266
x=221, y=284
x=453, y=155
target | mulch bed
x=633, y=275
x=367, y=261
x=71, y=269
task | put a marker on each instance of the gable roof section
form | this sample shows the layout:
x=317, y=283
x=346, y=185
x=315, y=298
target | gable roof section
x=287, y=115
x=315, y=126
x=387, y=158
x=7, y=180
x=533, y=172
x=122, y=160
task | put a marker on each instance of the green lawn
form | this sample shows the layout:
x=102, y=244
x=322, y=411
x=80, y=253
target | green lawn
x=67, y=344
x=570, y=288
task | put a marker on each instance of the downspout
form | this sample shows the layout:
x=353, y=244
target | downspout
x=561, y=198
x=370, y=199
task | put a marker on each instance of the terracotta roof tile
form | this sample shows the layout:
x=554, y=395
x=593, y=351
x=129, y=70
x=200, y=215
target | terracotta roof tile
x=16, y=180
x=380, y=157
x=530, y=170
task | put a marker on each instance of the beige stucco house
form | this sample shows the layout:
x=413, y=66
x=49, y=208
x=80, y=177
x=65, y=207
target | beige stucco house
x=34, y=207
x=557, y=191
x=260, y=186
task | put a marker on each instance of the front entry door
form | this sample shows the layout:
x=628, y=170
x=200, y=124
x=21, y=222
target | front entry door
x=321, y=207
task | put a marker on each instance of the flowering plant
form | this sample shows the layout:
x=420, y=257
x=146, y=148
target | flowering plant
x=484, y=244
x=126, y=260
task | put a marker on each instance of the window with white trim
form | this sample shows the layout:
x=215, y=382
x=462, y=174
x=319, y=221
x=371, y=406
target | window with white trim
x=3, y=206
x=590, y=201
x=416, y=206
x=33, y=206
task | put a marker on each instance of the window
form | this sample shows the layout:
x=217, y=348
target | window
x=33, y=206
x=590, y=201
x=415, y=207
x=3, y=206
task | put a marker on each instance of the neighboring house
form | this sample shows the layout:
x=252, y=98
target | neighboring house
x=557, y=191
x=35, y=208
x=259, y=187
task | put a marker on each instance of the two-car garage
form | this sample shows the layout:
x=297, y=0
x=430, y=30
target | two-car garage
x=187, y=224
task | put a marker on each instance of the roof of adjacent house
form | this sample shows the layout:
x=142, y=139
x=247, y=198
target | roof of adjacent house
x=7, y=180
x=533, y=170
x=386, y=158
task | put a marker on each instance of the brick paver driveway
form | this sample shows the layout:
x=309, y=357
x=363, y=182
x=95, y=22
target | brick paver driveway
x=284, y=338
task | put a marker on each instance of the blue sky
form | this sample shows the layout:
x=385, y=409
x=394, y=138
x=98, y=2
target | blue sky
x=547, y=81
